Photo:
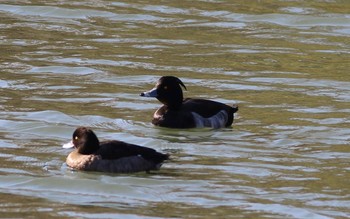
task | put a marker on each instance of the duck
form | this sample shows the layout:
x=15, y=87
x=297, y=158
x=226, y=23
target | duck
x=178, y=112
x=110, y=156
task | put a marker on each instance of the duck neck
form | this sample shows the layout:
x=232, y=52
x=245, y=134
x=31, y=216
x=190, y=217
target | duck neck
x=175, y=105
x=174, y=101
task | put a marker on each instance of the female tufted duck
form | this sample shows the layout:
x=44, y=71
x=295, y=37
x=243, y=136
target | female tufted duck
x=187, y=113
x=110, y=156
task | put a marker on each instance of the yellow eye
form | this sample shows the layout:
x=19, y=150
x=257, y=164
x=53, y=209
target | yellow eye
x=76, y=138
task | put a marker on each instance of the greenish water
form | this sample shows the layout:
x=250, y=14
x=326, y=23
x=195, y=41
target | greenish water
x=65, y=64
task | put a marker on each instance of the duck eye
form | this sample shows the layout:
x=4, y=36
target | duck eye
x=76, y=138
x=165, y=87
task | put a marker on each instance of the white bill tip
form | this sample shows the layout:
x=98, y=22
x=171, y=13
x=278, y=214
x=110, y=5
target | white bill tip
x=68, y=145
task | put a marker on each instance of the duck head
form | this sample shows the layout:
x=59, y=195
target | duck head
x=168, y=91
x=84, y=140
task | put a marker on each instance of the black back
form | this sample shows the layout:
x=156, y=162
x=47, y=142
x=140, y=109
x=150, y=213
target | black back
x=111, y=150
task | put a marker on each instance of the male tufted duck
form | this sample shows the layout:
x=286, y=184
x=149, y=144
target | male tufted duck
x=187, y=113
x=110, y=156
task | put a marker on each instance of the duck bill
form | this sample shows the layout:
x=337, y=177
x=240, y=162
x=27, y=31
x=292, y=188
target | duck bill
x=68, y=145
x=151, y=93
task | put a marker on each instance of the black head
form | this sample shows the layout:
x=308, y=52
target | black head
x=168, y=91
x=85, y=141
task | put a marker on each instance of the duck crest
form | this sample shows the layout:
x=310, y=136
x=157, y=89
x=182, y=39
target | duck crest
x=170, y=92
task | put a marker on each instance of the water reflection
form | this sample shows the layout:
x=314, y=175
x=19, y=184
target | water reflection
x=66, y=64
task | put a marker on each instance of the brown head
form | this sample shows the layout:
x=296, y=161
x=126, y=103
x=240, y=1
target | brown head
x=85, y=140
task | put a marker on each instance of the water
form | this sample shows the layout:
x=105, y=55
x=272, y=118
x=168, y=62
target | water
x=70, y=63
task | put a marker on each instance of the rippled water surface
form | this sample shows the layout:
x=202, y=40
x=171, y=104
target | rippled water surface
x=70, y=63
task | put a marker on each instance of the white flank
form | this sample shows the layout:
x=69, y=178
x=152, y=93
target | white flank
x=217, y=121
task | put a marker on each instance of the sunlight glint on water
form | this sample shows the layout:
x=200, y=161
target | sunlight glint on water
x=66, y=64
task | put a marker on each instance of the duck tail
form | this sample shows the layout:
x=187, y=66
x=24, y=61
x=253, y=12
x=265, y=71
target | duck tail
x=234, y=108
x=160, y=157
x=166, y=157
